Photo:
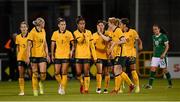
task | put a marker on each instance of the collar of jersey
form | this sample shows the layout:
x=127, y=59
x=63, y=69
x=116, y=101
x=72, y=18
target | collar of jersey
x=157, y=35
x=82, y=32
x=37, y=30
x=62, y=32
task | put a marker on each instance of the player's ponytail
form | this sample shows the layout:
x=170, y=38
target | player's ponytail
x=38, y=21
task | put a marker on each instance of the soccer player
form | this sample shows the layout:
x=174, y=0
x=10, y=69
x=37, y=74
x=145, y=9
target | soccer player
x=102, y=58
x=131, y=37
x=116, y=51
x=61, y=53
x=21, y=42
x=37, y=51
x=159, y=59
x=84, y=48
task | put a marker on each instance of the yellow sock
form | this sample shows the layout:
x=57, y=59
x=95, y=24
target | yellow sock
x=86, y=83
x=135, y=77
x=126, y=78
x=64, y=81
x=35, y=81
x=107, y=80
x=118, y=81
x=58, y=78
x=99, y=80
x=21, y=84
x=80, y=79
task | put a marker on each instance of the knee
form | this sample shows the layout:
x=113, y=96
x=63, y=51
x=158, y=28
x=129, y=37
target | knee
x=43, y=75
x=35, y=75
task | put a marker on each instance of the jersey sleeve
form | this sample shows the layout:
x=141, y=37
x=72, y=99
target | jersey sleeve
x=136, y=36
x=30, y=36
x=165, y=39
x=71, y=36
x=17, y=40
x=53, y=38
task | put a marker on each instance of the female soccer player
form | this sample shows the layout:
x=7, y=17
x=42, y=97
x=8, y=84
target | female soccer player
x=159, y=59
x=102, y=58
x=61, y=53
x=38, y=54
x=84, y=48
x=117, y=51
x=131, y=37
x=21, y=42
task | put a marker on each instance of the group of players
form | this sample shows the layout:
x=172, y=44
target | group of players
x=114, y=47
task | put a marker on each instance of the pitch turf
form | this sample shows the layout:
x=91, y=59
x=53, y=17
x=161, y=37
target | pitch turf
x=160, y=92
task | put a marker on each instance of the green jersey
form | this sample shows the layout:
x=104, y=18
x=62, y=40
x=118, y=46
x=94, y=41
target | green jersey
x=159, y=44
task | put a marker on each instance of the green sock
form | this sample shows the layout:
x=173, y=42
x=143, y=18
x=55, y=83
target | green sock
x=151, y=79
x=168, y=76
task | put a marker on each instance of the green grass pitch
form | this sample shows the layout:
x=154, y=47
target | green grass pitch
x=160, y=92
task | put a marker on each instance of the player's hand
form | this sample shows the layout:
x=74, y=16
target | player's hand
x=48, y=59
x=71, y=54
x=162, y=56
x=52, y=58
x=140, y=47
x=27, y=61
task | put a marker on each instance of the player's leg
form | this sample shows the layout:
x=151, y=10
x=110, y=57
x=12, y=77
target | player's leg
x=107, y=67
x=79, y=74
x=86, y=66
x=21, y=77
x=164, y=65
x=99, y=66
x=65, y=65
x=34, y=67
x=134, y=74
x=42, y=67
x=57, y=63
x=154, y=65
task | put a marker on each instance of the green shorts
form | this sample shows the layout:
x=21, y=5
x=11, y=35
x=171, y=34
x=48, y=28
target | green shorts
x=119, y=61
x=130, y=61
x=82, y=61
x=60, y=61
x=38, y=59
x=22, y=63
x=104, y=62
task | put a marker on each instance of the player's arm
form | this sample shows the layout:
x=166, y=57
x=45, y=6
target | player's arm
x=139, y=41
x=46, y=50
x=93, y=51
x=106, y=38
x=53, y=44
x=165, y=50
x=29, y=45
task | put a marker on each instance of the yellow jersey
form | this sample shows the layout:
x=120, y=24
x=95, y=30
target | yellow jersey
x=22, y=47
x=38, y=39
x=116, y=35
x=83, y=44
x=129, y=46
x=62, y=40
x=100, y=45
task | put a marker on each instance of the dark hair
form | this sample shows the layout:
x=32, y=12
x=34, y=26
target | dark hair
x=24, y=22
x=162, y=29
x=79, y=18
x=101, y=21
x=60, y=20
x=126, y=22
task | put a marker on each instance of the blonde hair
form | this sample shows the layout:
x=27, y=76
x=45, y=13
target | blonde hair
x=112, y=20
x=38, y=21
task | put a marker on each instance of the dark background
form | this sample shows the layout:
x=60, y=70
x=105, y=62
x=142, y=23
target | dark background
x=163, y=12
